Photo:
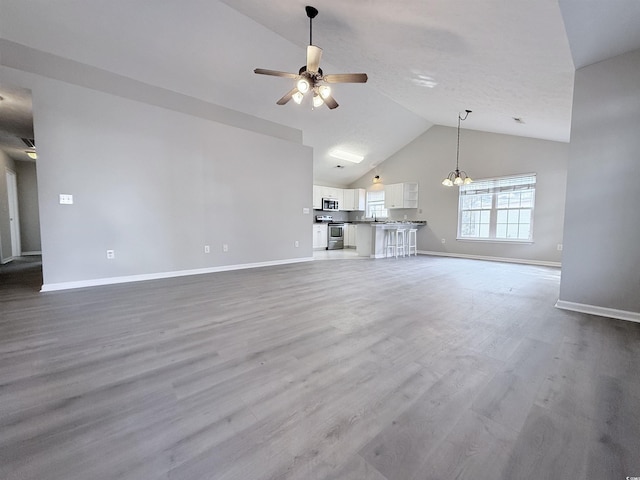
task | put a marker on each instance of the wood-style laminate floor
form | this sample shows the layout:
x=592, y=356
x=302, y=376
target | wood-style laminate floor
x=408, y=369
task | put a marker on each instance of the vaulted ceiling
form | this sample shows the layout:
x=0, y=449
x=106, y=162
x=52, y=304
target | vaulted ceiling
x=426, y=60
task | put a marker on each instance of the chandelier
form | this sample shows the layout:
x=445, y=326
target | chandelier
x=458, y=177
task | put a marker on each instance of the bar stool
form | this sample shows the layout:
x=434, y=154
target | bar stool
x=401, y=241
x=412, y=241
x=390, y=241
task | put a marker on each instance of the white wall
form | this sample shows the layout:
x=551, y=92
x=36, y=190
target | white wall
x=156, y=185
x=430, y=157
x=28, y=205
x=6, y=163
x=601, y=264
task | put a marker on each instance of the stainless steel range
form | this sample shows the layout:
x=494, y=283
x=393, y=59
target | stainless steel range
x=335, y=232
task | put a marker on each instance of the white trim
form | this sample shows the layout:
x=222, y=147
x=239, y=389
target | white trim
x=494, y=240
x=543, y=263
x=6, y=260
x=600, y=311
x=51, y=287
x=35, y=252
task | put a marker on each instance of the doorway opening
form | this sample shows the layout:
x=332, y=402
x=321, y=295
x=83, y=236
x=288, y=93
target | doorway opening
x=19, y=212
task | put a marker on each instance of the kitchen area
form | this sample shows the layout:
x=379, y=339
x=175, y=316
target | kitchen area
x=343, y=228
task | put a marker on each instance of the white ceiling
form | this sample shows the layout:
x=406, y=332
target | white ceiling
x=501, y=59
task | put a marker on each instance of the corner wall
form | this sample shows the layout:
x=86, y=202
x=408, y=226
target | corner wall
x=601, y=265
x=156, y=185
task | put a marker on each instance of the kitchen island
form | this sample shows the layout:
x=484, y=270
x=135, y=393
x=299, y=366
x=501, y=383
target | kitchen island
x=370, y=236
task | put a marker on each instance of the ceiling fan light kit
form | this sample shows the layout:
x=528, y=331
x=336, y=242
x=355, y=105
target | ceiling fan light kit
x=458, y=177
x=310, y=77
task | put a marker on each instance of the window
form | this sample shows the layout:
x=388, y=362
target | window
x=375, y=204
x=498, y=209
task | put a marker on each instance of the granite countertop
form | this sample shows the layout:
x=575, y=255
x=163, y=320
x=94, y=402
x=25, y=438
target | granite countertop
x=398, y=222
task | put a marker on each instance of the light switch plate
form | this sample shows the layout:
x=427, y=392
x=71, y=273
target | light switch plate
x=66, y=199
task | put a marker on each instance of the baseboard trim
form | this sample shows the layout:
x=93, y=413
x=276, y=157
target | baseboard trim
x=600, y=311
x=35, y=252
x=6, y=260
x=52, y=287
x=524, y=261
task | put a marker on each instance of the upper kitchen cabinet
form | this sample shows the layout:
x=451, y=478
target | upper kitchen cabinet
x=354, y=199
x=317, y=197
x=320, y=192
x=401, y=195
x=349, y=199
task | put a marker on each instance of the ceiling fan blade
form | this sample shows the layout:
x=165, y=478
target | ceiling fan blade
x=346, y=78
x=275, y=73
x=330, y=102
x=287, y=96
x=313, y=58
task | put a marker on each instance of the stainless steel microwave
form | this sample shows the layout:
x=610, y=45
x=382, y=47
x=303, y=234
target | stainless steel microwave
x=330, y=204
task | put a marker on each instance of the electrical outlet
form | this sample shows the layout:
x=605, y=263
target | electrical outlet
x=66, y=199
x=225, y=247
x=305, y=210
x=405, y=217
x=111, y=254
x=296, y=243
x=207, y=249
x=559, y=247
x=444, y=240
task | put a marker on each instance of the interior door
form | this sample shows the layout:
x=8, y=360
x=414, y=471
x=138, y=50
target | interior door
x=14, y=223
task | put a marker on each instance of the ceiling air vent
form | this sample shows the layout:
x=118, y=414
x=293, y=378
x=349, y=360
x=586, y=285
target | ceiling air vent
x=29, y=142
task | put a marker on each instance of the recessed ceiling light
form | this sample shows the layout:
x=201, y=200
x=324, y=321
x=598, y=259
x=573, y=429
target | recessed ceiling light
x=346, y=156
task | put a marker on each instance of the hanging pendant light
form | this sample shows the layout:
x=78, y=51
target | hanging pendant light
x=458, y=177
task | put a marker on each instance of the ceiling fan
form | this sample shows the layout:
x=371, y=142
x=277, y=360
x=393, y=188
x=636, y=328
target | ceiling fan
x=310, y=77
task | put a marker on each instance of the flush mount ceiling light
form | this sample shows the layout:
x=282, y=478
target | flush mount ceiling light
x=346, y=156
x=458, y=177
x=310, y=77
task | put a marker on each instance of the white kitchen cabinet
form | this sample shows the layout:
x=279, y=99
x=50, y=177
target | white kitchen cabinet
x=401, y=195
x=320, y=192
x=317, y=197
x=360, y=199
x=349, y=199
x=354, y=199
x=320, y=235
x=329, y=192
x=350, y=230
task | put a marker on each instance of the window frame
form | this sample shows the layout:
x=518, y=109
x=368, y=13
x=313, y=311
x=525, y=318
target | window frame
x=384, y=212
x=494, y=187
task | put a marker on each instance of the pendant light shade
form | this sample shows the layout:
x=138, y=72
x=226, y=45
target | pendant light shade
x=303, y=85
x=317, y=100
x=458, y=177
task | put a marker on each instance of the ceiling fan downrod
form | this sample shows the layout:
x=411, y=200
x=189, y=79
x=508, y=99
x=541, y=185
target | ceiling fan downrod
x=311, y=13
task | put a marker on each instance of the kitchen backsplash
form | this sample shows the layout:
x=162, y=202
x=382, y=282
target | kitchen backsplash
x=337, y=216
